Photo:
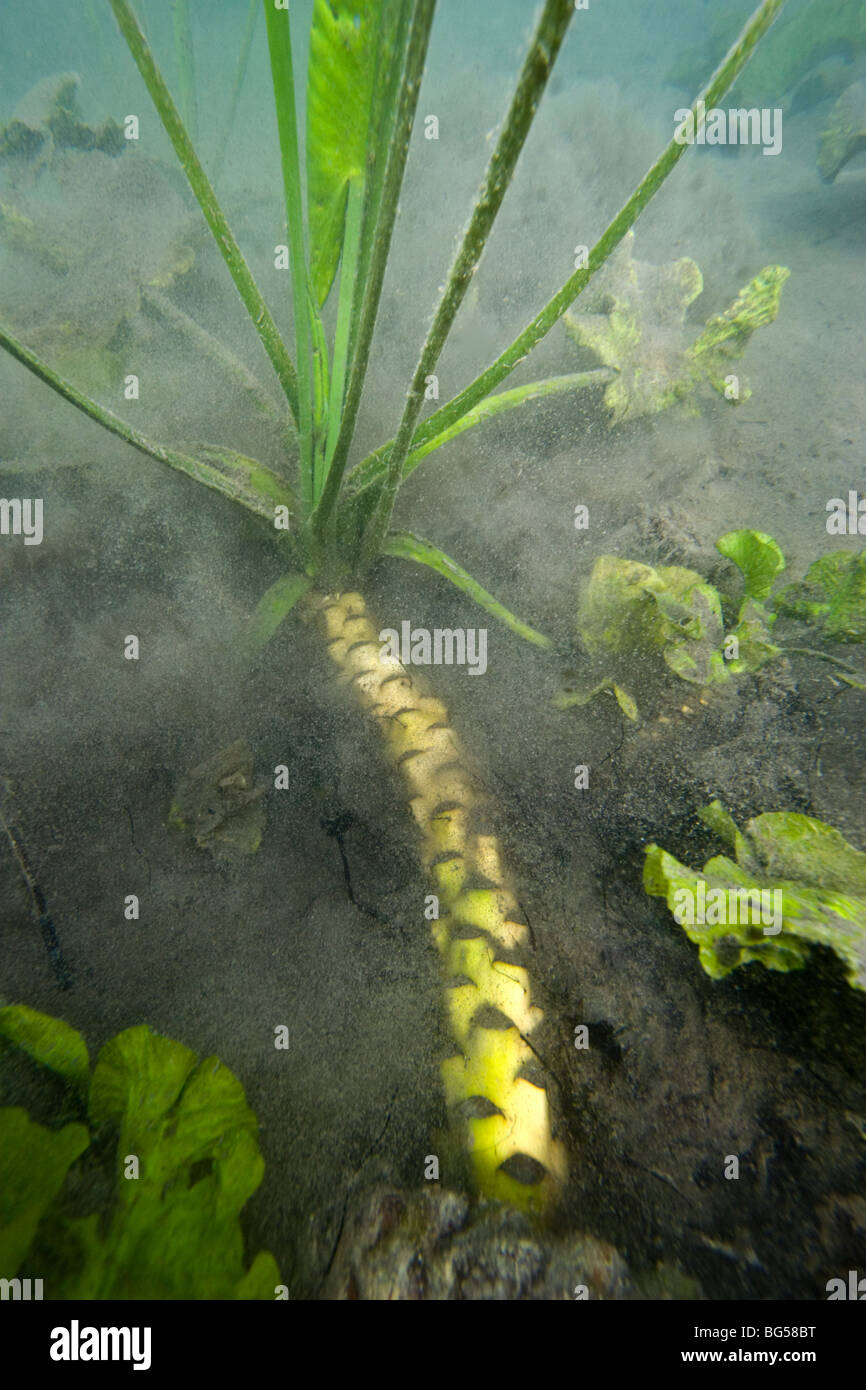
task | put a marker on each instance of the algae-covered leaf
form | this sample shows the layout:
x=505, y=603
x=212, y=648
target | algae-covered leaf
x=627, y=607
x=340, y=79
x=625, y=701
x=220, y=804
x=637, y=326
x=616, y=611
x=791, y=845
x=34, y=1162
x=577, y=699
x=137, y=1079
x=696, y=631
x=796, y=883
x=49, y=1041
x=758, y=557
x=752, y=633
x=726, y=335
x=832, y=595
x=175, y=1231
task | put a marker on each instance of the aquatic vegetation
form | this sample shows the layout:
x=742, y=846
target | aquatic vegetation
x=634, y=322
x=794, y=883
x=170, y=1143
x=333, y=522
x=628, y=609
x=831, y=595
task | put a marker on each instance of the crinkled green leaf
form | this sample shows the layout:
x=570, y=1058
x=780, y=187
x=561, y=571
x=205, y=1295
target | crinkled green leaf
x=630, y=607
x=832, y=594
x=727, y=335
x=819, y=880
x=791, y=845
x=34, y=1162
x=637, y=326
x=175, y=1231
x=617, y=612
x=757, y=555
x=342, y=65
x=754, y=644
x=49, y=1041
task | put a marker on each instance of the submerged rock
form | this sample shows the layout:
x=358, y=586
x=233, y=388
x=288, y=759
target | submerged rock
x=433, y=1245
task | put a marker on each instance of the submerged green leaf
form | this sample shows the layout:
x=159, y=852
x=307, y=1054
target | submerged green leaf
x=758, y=557
x=34, y=1162
x=275, y=605
x=832, y=595
x=407, y=546
x=569, y=699
x=636, y=325
x=340, y=74
x=49, y=1041
x=630, y=607
x=727, y=335
x=175, y=1230
x=796, y=882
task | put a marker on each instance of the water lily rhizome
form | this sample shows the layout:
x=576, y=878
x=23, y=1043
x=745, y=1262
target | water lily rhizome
x=330, y=512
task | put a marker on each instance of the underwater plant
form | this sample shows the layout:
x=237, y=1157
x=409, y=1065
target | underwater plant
x=635, y=323
x=794, y=883
x=831, y=596
x=332, y=521
x=167, y=1140
x=629, y=609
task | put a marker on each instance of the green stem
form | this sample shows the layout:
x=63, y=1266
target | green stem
x=719, y=83
x=371, y=469
x=348, y=271
x=821, y=656
x=415, y=47
x=259, y=501
x=407, y=546
x=207, y=201
x=533, y=79
x=185, y=65
x=282, y=73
